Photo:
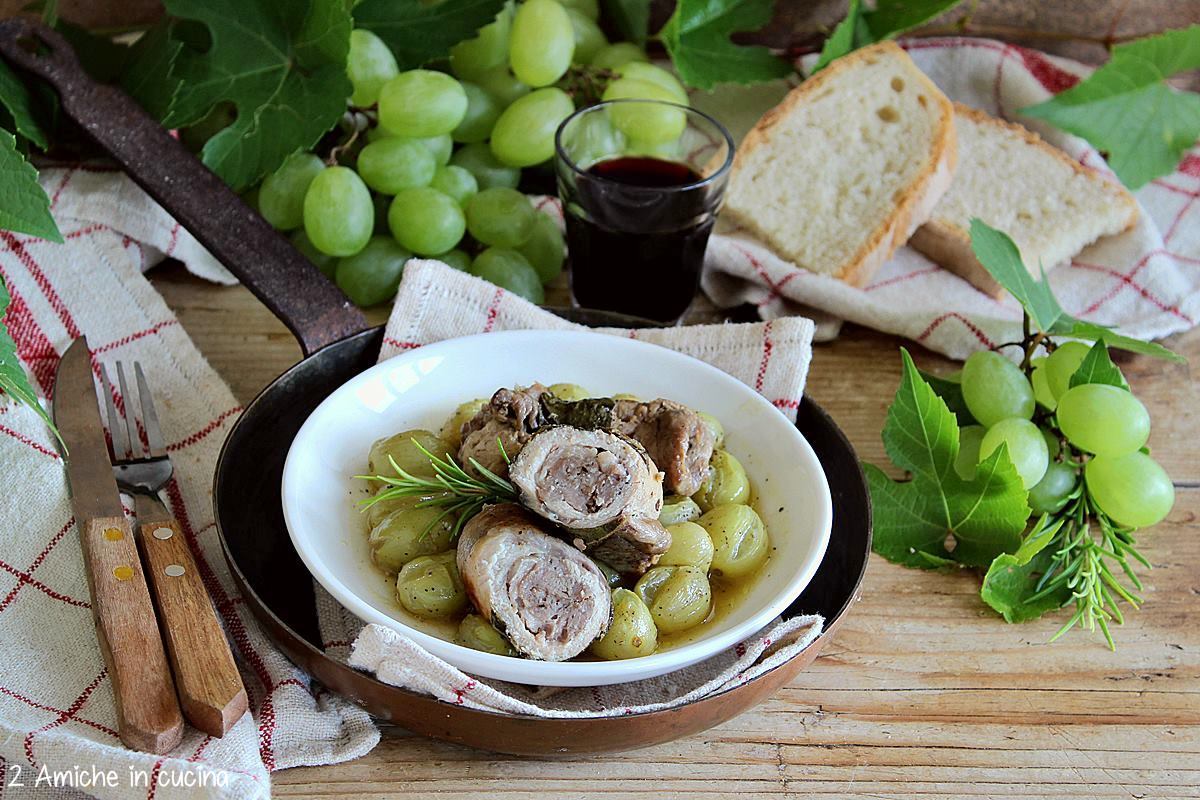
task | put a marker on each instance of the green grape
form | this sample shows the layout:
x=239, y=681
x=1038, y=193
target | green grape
x=640, y=70
x=456, y=258
x=1053, y=445
x=545, y=249
x=369, y=65
x=478, y=160
x=994, y=388
x=281, y=196
x=1061, y=365
x=589, y=39
x=651, y=123
x=500, y=217
x=456, y=182
x=1049, y=494
x=371, y=275
x=591, y=138
x=482, y=112
x=338, y=215
x=1133, y=490
x=1102, y=419
x=488, y=50
x=970, y=437
x=588, y=8
x=426, y=221
x=510, y=270
x=323, y=261
x=524, y=134
x=542, y=42
x=196, y=135
x=618, y=55
x=1041, y=388
x=390, y=165
x=421, y=102
x=441, y=147
x=1026, y=447
x=501, y=84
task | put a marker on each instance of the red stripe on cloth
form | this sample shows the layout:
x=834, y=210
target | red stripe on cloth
x=37, y=562
x=153, y=789
x=785, y=403
x=1183, y=211
x=775, y=287
x=133, y=337
x=902, y=278
x=63, y=185
x=39, y=277
x=767, y=347
x=192, y=439
x=1124, y=280
x=1162, y=184
x=1190, y=165
x=33, y=346
x=983, y=339
x=174, y=240
x=69, y=714
x=35, y=583
x=42, y=707
x=1052, y=77
x=493, y=311
x=23, y=439
x=399, y=345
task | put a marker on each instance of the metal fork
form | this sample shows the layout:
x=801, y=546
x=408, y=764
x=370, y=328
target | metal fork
x=210, y=688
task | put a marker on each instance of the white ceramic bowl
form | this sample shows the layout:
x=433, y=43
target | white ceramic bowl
x=421, y=388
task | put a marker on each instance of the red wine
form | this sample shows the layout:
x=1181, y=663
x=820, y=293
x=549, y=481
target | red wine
x=637, y=229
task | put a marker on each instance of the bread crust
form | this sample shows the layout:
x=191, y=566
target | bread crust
x=916, y=202
x=950, y=245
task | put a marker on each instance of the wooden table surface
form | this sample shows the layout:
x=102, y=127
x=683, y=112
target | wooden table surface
x=924, y=692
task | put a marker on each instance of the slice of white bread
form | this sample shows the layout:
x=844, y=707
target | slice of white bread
x=839, y=174
x=1050, y=204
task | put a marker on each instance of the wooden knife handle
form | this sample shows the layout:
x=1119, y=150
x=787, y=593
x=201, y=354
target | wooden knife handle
x=148, y=716
x=210, y=688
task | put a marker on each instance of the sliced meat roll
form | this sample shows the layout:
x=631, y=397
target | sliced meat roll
x=550, y=600
x=631, y=546
x=586, y=478
x=674, y=436
x=508, y=419
x=503, y=516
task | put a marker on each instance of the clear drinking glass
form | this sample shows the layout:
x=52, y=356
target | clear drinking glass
x=639, y=211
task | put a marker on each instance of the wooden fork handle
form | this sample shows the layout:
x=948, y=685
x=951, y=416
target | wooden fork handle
x=147, y=711
x=210, y=688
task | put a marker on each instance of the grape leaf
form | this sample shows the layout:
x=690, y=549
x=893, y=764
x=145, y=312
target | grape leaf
x=421, y=32
x=1097, y=367
x=631, y=18
x=17, y=101
x=13, y=380
x=282, y=63
x=983, y=517
x=1126, y=109
x=1013, y=577
x=24, y=206
x=148, y=75
x=1000, y=257
x=950, y=390
x=697, y=38
x=888, y=19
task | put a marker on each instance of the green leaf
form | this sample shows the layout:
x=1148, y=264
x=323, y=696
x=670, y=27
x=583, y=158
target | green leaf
x=1013, y=577
x=13, y=380
x=148, y=75
x=631, y=18
x=18, y=102
x=1000, y=257
x=283, y=66
x=697, y=38
x=950, y=391
x=1127, y=110
x=982, y=517
x=24, y=206
x=1097, y=367
x=888, y=19
x=420, y=32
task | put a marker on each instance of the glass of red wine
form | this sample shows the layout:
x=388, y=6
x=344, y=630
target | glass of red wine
x=641, y=182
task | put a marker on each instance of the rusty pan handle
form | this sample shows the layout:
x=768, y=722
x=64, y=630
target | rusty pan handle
x=295, y=291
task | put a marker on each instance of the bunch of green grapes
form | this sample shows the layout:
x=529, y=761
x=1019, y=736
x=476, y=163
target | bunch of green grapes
x=1092, y=432
x=429, y=161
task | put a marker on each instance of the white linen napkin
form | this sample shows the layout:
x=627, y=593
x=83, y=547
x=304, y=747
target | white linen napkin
x=436, y=302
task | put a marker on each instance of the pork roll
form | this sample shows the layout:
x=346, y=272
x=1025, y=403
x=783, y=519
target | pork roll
x=630, y=546
x=675, y=437
x=586, y=478
x=550, y=600
x=508, y=420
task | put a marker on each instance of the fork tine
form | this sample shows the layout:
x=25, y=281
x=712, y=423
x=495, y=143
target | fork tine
x=149, y=416
x=131, y=430
x=116, y=426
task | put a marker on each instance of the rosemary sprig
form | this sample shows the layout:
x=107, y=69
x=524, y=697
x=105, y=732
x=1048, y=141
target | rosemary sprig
x=451, y=488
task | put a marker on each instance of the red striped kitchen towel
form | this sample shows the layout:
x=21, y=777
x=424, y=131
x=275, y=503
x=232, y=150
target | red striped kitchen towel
x=1145, y=282
x=57, y=721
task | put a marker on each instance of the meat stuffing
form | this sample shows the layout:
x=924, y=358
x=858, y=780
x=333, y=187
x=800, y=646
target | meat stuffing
x=508, y=420
x=550, y=600
x=586, y=478
x=675, y=437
